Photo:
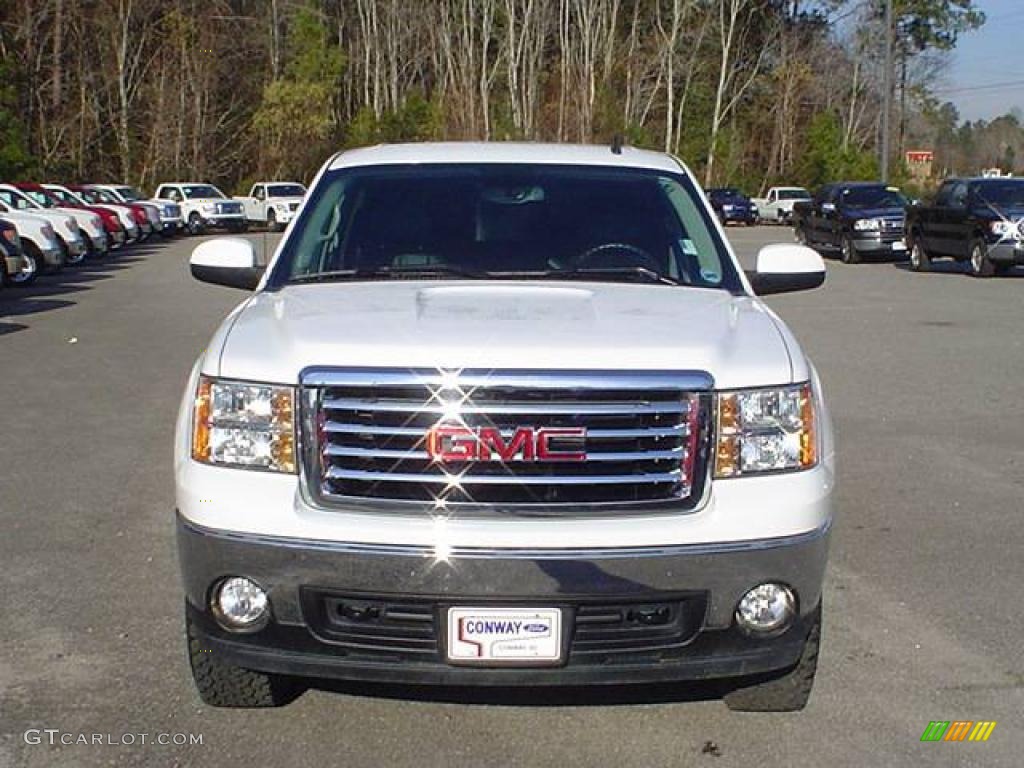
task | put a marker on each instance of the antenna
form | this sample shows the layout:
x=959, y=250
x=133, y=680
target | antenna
x=617, y=144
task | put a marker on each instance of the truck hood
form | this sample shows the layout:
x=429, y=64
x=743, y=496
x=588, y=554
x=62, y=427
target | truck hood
x=274, y=335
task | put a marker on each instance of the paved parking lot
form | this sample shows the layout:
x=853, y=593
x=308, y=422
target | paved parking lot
x=923, y=620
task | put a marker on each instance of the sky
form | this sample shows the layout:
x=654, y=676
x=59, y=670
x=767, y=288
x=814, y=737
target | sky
x=991, y=57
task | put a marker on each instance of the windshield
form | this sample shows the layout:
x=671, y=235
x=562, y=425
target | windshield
x=40, y=198
x=17, y=200
x=201, y=190
x=794, y=194
x=1005, y=194
x=506, y=221
x=873, y=197
x=286, y=190
x=64, y=197
x=99, y=196
x=129, y=193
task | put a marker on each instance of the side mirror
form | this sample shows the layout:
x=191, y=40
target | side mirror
x=828, y=207
x=783, y=268
x=229, y=261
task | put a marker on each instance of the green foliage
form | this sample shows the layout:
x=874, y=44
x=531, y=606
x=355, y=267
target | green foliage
x=826, y=160
x=15, y=158
x=296, y=118
x=317, y=59
x=418, y=119
x=924, y=24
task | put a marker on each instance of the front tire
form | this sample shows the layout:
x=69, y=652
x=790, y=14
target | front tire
x=35, y=265
x=920, y=261
x=224, y=685
x=788, y=692
x=195, y=224
x=849, y=253
x=981, y=265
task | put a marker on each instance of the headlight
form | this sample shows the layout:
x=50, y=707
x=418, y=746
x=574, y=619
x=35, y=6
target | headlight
x=862, y=225
x=1004, y=229
x=239, y=424
x=765, y=430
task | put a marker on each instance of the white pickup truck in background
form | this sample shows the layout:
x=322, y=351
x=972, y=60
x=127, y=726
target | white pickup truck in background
x=777, y=206
x=273, y=203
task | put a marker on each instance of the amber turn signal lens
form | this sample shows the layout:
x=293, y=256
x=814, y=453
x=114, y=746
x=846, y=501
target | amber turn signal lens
x=201, y=421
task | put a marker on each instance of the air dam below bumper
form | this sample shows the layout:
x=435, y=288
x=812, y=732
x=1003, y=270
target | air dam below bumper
x=693, y=588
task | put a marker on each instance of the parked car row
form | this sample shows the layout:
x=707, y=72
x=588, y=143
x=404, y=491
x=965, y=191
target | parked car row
x=44, y=227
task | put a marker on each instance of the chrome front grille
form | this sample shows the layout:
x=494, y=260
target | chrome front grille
x=532, y=438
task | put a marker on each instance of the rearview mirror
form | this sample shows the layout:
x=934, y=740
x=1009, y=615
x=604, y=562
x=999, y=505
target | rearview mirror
x=229, y=261
x=783, y=268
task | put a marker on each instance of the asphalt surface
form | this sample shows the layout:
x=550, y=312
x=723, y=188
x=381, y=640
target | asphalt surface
x=923, y=602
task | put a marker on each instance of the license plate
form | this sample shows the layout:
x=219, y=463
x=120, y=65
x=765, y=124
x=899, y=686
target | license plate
x=504, y=636
x=899, y=245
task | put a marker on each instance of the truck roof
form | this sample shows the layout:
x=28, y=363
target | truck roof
x=505, y=152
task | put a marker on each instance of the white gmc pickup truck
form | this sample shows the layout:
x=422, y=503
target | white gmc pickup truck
x=504, y=414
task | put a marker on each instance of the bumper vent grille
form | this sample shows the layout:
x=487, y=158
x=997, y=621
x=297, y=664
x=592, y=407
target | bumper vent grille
x=395, y=628
x=505, y=437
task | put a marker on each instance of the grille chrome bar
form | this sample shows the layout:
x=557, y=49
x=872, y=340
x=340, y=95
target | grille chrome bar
x=464, y=479
x=399, y=406
x=416, y=455
x=693, y=381
x=679, y=430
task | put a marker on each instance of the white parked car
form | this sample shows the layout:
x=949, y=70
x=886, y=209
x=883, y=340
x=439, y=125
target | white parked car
x=164, y=214
x=90, y=224
x=273, y=203
x=124, y=213
x=504, y=414
x=777, y=205
x=65, y=225
x=42, y=250
x=203, y=206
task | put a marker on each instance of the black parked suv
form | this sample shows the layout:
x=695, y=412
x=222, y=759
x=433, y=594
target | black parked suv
x=732, y=205
x=857, y=218
x=980, y=221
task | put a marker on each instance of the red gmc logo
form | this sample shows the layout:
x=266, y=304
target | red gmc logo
x=452, y=442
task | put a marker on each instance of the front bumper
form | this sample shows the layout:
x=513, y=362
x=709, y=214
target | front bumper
x=53, y=256
x=76, y=246
x=708, y=580
x=12, y=262
x=224, y=221
x=744, y=216
x=99, y=243
x=1006, y=252
x=880, y=244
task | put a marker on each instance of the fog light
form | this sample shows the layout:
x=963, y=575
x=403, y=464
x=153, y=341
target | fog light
x=766, y=609
x=240, y=604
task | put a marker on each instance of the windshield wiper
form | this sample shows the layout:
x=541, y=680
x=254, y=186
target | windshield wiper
x=591, y=273
x=397, y=273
